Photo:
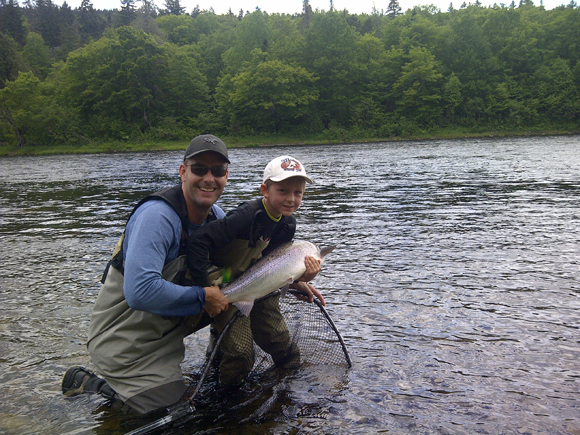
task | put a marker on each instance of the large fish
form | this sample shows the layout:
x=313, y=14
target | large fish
x=276, y=270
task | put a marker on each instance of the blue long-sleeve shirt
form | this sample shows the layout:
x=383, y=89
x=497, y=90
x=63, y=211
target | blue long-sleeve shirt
x=152, y=239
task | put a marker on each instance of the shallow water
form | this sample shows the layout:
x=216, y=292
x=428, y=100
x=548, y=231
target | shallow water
x=455, y=284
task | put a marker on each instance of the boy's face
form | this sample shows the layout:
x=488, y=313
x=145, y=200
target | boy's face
x=284, y=197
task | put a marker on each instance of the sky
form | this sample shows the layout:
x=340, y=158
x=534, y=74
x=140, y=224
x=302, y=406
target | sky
x=295, y=6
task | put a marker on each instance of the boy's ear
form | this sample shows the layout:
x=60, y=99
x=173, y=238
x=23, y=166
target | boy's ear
x=264, y=190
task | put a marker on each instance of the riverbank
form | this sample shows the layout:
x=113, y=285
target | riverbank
x=257, y=141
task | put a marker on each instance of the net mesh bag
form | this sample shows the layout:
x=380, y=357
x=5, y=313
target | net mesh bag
x=312, y=334
x=304, y=334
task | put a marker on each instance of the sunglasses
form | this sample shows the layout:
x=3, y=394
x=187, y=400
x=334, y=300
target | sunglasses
x=201, y=170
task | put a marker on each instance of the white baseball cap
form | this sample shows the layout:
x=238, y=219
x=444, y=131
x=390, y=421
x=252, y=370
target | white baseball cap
x=284, y=167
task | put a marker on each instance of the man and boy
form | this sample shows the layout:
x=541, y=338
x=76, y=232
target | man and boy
x=148, y=304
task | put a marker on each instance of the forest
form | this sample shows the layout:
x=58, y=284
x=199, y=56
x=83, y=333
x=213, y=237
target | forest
x=142, y=72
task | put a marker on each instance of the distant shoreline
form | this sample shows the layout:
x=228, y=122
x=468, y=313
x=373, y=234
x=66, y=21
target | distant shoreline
x=258, y=141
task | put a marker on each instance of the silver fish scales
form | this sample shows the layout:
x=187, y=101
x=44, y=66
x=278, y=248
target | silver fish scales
x=275, y=271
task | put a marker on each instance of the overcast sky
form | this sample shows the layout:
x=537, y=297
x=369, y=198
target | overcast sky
x=295, y=6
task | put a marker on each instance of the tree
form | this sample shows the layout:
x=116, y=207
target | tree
x=70, y=38
x=330, y=53
x=195, y=12
x=269, y=95
x=11, y=21
x=128, y=12
x=18, y=101
x=306, y=14
x=419, y=88
x=145, y=20
x=393, y=9
x=185, y=89
x=116, y=83
x=32, y=115
x=558, y=97
x=47, y=22
x=10, y=59
x=173, y=7
x=37, y=55
x=179, y=29
x=253, y=32
x=451, y=97
x=91, y=25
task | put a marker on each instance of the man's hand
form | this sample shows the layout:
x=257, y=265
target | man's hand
x=309, y=292
x=215, y=301
x=312, y=269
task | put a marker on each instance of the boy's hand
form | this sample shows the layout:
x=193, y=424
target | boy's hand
x=312, y=269
x=215, y=301
x=309, y=292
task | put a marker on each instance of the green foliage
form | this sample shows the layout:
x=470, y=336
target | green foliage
x=331, y=74
x=10, y=59
x=12, y=21
x=37, y=54
x=269, y=95
x=419, y=88
x=29, y=114
x=179, y=29
x=114, y=83
x=330, y=53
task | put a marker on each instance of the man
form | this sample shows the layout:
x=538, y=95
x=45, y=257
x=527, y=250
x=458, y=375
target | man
x=146, y=305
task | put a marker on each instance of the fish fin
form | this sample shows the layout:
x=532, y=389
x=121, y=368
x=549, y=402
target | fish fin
x=327, y=250
x=284, y=289
x=244, y=306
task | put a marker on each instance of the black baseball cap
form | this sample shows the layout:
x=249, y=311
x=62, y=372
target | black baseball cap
x=206, y=142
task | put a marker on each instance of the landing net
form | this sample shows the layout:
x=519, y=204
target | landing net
x=311, y=329
x=312, y=333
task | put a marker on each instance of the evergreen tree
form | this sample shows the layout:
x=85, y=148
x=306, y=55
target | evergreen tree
x=47, y=22
x=306, y=13
x=173, y=7
x=128, y=12
x=70, y=38
x=393, y=9
x=11, y=21
x=90, y=23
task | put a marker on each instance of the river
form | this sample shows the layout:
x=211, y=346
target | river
x=455, y=284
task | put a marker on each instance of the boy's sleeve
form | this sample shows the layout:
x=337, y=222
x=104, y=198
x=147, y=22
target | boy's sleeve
x=213, y=236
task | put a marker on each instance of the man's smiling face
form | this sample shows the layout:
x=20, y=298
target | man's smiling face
x=201, y=192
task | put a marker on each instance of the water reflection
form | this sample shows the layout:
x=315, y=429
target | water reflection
x=455, y=285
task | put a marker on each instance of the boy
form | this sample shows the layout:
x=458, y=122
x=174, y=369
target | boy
x=235, y=242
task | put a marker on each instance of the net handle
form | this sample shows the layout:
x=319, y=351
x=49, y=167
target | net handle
x=186, y=407
x=330, y=322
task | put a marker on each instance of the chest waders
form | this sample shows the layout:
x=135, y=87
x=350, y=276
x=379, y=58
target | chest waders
x=137, y=352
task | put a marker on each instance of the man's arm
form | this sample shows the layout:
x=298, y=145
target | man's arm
x=152, y=239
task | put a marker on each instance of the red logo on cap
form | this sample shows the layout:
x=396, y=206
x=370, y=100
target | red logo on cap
x=291, y=165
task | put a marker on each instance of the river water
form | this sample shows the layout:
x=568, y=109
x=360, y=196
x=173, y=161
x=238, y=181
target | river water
x=455, y=284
